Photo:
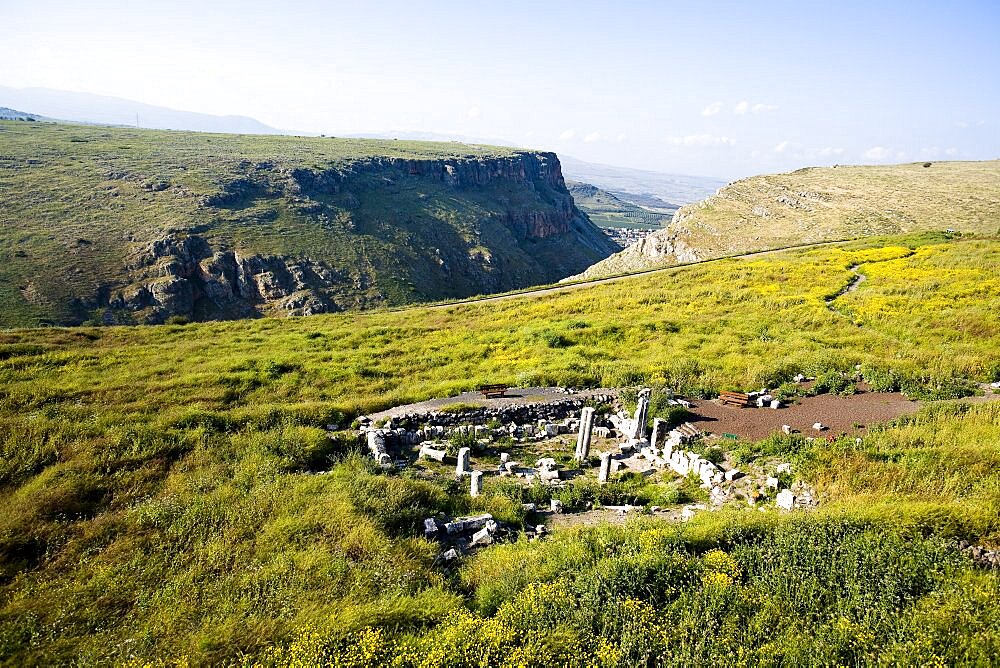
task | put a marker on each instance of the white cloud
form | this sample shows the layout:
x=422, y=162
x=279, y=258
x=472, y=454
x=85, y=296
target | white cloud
x=791, y=147
x=621, y=137
x=592, y=137
x=712, y=109
x=759, y=108
x=567, y=134
x=878, y=153
x=475, y=112
x=741, y=107
x=701, y=140
x=951, y=151
x=830, y=152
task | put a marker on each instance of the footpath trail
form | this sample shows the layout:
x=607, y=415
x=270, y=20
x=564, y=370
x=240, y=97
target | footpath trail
x=613, y=279
x=856, y=280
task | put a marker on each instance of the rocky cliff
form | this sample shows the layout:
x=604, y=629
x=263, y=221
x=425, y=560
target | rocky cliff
x=207, y=226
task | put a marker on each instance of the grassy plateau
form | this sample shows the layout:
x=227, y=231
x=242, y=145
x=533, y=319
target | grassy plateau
x=168, y=494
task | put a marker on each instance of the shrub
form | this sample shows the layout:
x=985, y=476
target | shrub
x=833, y=382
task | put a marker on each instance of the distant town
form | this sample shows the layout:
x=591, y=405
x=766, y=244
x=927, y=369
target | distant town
x=626, y=236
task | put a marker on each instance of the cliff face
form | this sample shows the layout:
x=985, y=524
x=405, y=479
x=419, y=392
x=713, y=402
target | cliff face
x=382, y=230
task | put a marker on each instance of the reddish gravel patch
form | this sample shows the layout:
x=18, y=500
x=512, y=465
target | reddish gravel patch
x=839, y=413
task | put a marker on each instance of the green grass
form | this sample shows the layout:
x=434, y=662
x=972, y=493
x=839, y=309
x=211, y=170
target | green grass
x=606, y=209
x=168, y=492
x=79, y=204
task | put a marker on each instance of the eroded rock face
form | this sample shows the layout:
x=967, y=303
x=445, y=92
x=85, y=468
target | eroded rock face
x=181, y=275
x=661, y=248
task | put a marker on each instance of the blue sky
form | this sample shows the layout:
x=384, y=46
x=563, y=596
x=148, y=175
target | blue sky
x=715, y=88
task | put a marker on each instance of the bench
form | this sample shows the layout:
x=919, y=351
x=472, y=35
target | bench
x=490, y=391
x=734, y=398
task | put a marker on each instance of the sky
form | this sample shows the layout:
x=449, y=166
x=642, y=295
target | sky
x=722, y=89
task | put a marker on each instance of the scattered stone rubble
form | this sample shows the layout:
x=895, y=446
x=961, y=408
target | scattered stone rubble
x=521, y=422
x=465, y=533
x=659, y=450
x=980, y=555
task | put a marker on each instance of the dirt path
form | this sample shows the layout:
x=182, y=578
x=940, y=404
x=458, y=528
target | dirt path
x=590, y=518
x=856, y=280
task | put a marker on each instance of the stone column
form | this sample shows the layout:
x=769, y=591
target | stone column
x=376, y=443
x=658, y=426
x=476, y=484
x=463, y=462
x=583, y=440
x=605, y=471
x=641, y=412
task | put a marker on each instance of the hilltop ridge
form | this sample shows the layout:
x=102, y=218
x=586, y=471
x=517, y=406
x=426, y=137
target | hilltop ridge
x=819, y=204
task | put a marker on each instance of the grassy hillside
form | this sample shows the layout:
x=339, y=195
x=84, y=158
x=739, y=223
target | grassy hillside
x=123, y=225
x=159, y=498
x=822, y=204
x=607, y=209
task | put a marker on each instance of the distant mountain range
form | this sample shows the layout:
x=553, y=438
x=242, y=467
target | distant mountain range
x=674, y=188
x=8, y=114
x=105, y=110
x=617, y=209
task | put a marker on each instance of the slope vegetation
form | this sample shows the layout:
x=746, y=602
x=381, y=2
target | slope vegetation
x=821, y=204
x=170, y=493
x=113, y=225
x=609, y=209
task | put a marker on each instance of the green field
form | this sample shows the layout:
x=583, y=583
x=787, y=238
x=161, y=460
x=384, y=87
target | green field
x=606, y=209
x=160, y=499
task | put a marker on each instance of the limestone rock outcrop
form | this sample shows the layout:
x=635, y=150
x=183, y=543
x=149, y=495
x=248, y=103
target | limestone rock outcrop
x=181, y=275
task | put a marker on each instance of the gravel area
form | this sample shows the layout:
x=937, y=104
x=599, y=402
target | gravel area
x=850, y=414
